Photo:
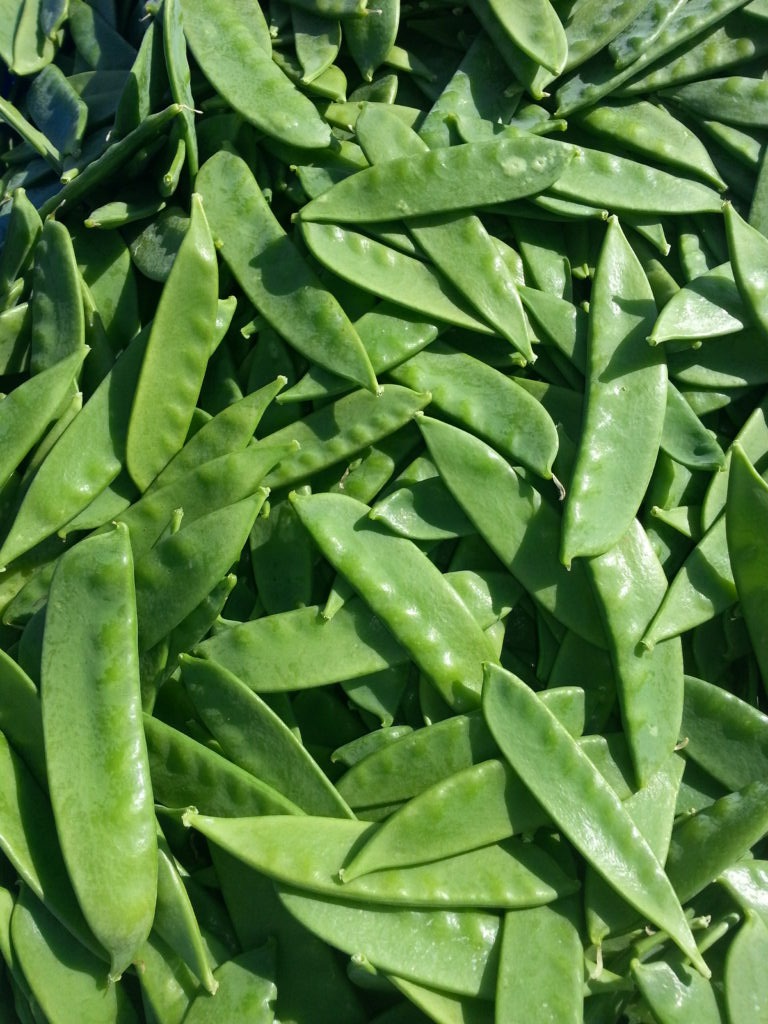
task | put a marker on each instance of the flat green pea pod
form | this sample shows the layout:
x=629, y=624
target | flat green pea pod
x=167, y=984
x=708, y=842
x=685, y=438
x=252, y=736
x=737, y=100
x=582, y=804
x=275, y=276
x=645, y=29
x=22, y=233
x=540, y=989
x=746, y=994
x=590, y=28
x=461, y=176
x=424, y=510
x=753, y=439
x=707, y=307
x=84, y=460
x=234, y=53
x=174, y=46
x=746, y=515
x=91, y=699
x=58, y=321
x=724, y=735
x=176, y=355
x=520, y=527
x=66, y=980
x=485, y=401
x=748, y=248
x=626, y=385
x=536, y=30
x=453, y=950
x=437, y=1004
x=181, y=570
x=309, y=854
x=246, y=990
x=20, y=721
x=400, y=584
x=339, y=430
x=676, y=994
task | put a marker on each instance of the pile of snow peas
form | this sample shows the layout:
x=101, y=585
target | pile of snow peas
x=383, y=511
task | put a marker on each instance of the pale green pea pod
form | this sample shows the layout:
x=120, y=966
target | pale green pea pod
x=536, y=29
x=675, y=993
x=488, y=403
x=753, y=439
x=398, y=582
x=535, y=988
x=462, y=176
x=65, y=978
x=252, y=736
x=58, y=321
x=453, y=950
x=685, y=438
x=174, y=47
x=84, y=460
x=246, y=990
x=276, y=277
x=707, y=307
x=424, y=510
x=167, y=984
x=626, y=384
x=746, y=994
x=91, y=701
x=685, y=519
x=176, y=355
x=748, y=248
x=590, y=27
x=350, y=753
x=735, y=100
x=645, y=29
x=309, y=854
x=582, y=804
x=337, y=431
x=563, y=324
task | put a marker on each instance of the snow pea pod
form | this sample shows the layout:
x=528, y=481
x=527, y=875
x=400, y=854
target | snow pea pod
x=91, y=696
x=275, y=276
x=179, y=79
x=645, y=29
x=20, y=720
x=685, y=438
x=582, y=804
x=746, y=995
x=748, y=248
x=707, y=307
x=736, y=100
x=520, y=527
x=746, y=515
x=399, y=583
x=437, y=1004
x=591, y=26
x=626, y=384
x=675, y=993
x=22, y=233
x=488, y=403
x=58, y=323
x=245, y=990
x=460, y=176
x=234, y=53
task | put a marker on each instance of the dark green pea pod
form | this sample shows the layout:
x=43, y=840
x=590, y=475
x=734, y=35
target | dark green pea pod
x=736, y=361
x=488, y=403
x=626, y=385
x=167, y=984
x=400, y=584
x=317, y=41
x=520, y=527
x=277, y=278
x=282, y=559
x=246, y=990
x=370, y=39
x=234, y=53
x=252, y=736
x=20, y=720
x=675, y=993
x=582, y=804
x=22, y=233
x=685, y=438
x=437, y=1004
x=85, y=458
x=66, y=979
x=643, y=30
x=98, y=43
x=58, y=324
x=120, y=212
x=706, y=843
x=177, y=350
x=92, y=693
x=185, y=771
x=105, y=264
x=452, y=950
x=723, y=734
x=181, y=570
x=707, y=307
x=745, y=519
x=15, y=330
x=563, y=324
x=339, y=430
x=463, y=176
x=590, y=27
x=541, y=989
x=746, y=995
x=422, y=511
x=749, y=251
x=734, y=100
x=57, y=110
x=174, y=46
x=536, y=30
x=308, y=853
x=349, y=754
x=13, y=117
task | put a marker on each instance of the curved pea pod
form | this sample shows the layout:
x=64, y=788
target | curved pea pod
x=20, y=720
x=724, y=735
x=58, y=320
x=246, y=990
x=91, y=702
x=274, y=274
x=422, y=511
x=452, y=950
x=746, y=516
x=748, y=249
x=461, y=176
x=234, y=53
x=84, y=460
x=737, y=99
x=439, y=1005
x=643, y=30
x=753, y=439
x=581, y=803
x=626, y=384
x=67, y=981
x=520, y=527
x=591, y=27
x=181, y=570
x=252, y=736
x=167, y=984
x=628, y=186
x=541, y=989
x=174, y=47
x=685, y=437
x=536, y=30
x=746, y=994
x=337, y=431
x=676, y=994
x=707, y=307
x=176, y=355
x=22, y=233
x=489, y=404
x=401, y=585
x=650, y=130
